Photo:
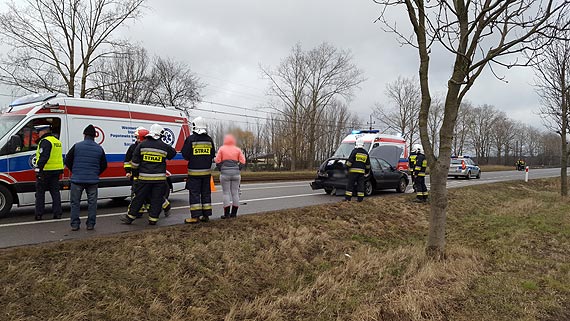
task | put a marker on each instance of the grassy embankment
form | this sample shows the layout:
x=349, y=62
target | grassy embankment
x=508, y=259
x=247, y=176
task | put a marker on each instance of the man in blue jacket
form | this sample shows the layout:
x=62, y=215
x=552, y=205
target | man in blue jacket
x=87, y=161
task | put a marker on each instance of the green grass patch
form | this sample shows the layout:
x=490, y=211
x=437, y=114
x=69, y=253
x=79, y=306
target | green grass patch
x=507, y=259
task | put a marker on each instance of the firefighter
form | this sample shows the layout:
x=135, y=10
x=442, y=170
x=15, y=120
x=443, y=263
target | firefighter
x=140, y=134
x=358, y=164
x=199, y=151
x=420, y=175
x=48, y=167
x=412, y=164
x=149, y=166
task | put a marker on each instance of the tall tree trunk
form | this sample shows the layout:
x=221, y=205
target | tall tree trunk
x=563, y=143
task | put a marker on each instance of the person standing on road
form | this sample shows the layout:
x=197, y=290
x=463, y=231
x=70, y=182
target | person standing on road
x=358, y=164
x=87, y=161
x=48, y=167
x=199, y=151
x=230, y=161
x=412, y=165
x=140, y=134
x=149, y=167
x=420, y=176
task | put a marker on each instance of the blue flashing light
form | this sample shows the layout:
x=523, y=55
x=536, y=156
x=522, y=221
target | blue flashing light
x=365, y=131
x=354, y=132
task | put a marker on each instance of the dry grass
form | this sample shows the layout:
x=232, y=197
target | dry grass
x=496, y=168
x=337, y=262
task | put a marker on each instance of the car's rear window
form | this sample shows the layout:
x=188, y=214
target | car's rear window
x=456, y=162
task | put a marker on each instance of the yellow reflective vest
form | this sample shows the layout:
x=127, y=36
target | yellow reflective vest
x=55, y=161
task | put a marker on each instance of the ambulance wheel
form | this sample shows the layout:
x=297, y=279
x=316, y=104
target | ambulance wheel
x=6, y=201
x=328, y=190
x=368, y=188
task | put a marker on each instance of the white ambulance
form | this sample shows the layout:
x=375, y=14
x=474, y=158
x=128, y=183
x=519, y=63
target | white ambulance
x=391, y=148
x=115, y=124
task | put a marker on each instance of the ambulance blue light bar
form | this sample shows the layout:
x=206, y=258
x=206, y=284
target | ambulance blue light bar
x=365, y=131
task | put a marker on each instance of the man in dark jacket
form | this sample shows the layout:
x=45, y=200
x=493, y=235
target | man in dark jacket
x=358, y=164
x=48, y=166
x=149, y=167
x=199, y=151
x=86, y=160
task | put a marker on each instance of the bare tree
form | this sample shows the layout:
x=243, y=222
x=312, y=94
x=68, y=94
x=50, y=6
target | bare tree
x=476, y=34
x=435, y=119
x=553, y=85
x=502, y=133
x=174, y=84
x=56, y=42
x=306, y=84
x=124, y=78
x=463, y=127
x=405, y=95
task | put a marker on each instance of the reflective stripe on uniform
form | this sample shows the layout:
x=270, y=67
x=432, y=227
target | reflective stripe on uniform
x=127, y=164
x=356, y=170
x=195, y=207
x=348, y=193
x=153, y=219
x=152, y=177
x=206, y=206
x=199, y=172
x=153, y=151
x=360, y=194
x=132, y=217
x=165, y=204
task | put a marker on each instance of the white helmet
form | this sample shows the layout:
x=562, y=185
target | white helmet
x=418, y=148
x=155, y=131
x=199, y=125
x=359, y=143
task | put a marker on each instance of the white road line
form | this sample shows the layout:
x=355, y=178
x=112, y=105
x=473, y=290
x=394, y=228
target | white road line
x=174, y=208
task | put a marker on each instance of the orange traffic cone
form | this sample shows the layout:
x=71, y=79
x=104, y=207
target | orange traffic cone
x=212, y=185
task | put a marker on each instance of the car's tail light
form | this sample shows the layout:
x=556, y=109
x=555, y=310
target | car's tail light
x=463, y=165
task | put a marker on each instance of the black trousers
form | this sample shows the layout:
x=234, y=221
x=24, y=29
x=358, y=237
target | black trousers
x=355, y=186
x=200, y=196
x=142, y=192
x=49, y=182
x=421, y=188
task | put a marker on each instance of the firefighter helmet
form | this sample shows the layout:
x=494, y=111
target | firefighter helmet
x=140, y=133
x=418, y=148
x=155, y=131
x=199, y=125
x=359, y=143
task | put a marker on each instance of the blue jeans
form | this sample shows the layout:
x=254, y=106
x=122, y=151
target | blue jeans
x=76, y=191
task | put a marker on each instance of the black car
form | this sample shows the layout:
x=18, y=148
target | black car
x=333, y=175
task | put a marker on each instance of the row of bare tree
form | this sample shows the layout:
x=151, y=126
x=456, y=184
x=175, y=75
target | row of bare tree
x=68, y=46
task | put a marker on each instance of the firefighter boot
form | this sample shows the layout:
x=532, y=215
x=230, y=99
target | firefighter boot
x=234, y=211
x=166, y=207
x=205, y=219
x=192, y=220
x=226, y=212
x=127, y=219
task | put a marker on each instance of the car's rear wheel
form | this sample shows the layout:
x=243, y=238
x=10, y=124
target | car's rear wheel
x=402, y=185
x=6, y=201
x=368, y=188
x=468, y=175
x=478, y=175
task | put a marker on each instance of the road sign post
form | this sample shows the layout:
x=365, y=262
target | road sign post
x=526, y=174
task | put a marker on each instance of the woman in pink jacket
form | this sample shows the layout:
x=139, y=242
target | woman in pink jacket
x=230, y=161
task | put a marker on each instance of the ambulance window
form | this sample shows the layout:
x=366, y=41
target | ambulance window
x=29, y=136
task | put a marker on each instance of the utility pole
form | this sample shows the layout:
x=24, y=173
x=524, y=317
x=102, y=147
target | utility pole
x=370, y=123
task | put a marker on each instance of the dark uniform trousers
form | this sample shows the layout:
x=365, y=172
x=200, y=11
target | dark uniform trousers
x=355, y=185
x=200, y=195
x=143, y=191
x=49, y=182
x=421, y=187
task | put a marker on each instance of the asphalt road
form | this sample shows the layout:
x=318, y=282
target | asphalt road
x=20, y=228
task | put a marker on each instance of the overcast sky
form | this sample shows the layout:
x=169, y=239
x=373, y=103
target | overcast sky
x=225, y=41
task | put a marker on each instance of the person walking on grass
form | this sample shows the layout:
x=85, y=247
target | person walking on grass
x=230, y=161
x=87, y=161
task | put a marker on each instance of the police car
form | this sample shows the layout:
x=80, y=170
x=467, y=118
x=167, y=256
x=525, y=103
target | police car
x=464, y=166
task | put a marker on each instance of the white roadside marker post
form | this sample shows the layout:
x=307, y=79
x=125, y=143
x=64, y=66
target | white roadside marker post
x=526, y=174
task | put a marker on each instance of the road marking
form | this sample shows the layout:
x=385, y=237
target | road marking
x=174, y=208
